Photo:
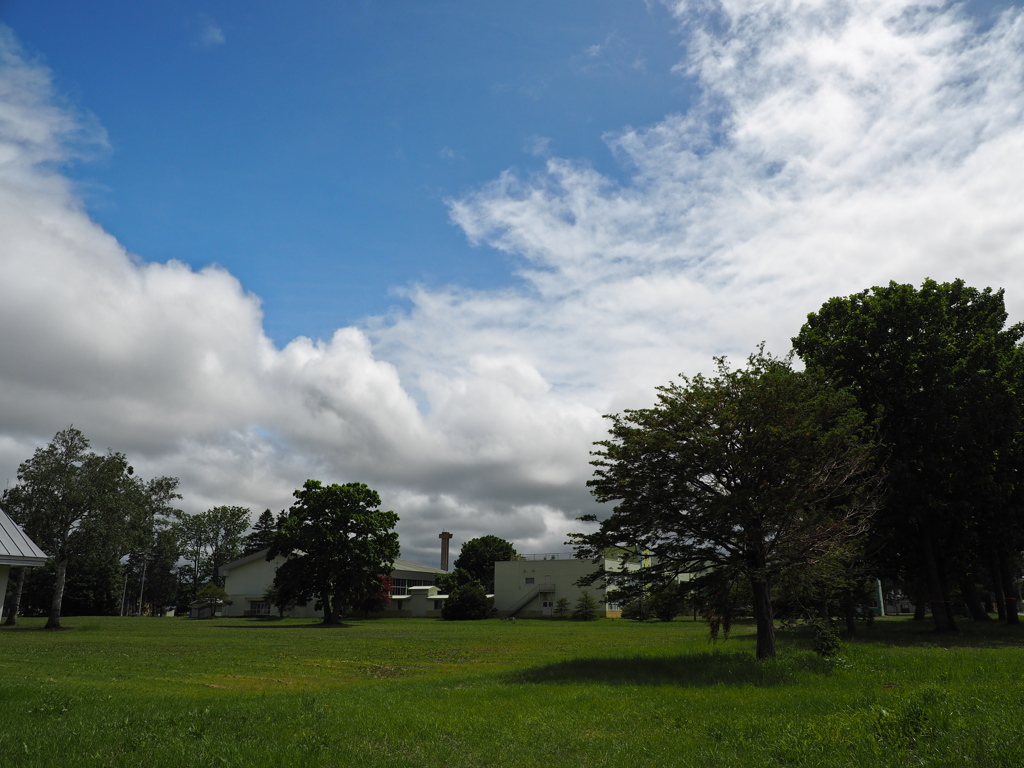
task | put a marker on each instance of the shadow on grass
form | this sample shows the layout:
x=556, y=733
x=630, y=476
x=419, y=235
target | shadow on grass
x=909, y=633
x=250, y=624
x=692, y=670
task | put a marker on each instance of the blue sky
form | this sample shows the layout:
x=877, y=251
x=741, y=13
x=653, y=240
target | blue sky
x=310, y=150
x=428, y=245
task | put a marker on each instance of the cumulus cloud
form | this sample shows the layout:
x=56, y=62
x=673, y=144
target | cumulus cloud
x=836, y=145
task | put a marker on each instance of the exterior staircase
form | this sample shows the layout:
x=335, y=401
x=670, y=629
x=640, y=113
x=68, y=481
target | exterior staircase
x=540, y=589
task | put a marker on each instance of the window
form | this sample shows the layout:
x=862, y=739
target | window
x=438, y=605
x=529, y=579
x=547, y=604
x=259, y=608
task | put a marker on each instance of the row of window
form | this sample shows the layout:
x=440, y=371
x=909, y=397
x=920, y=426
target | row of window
x=402, y=586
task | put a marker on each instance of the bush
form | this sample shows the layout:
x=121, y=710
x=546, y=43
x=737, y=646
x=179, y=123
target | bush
x=665, y=604
x=562, y=607
x=636, y=610
x=467, y=601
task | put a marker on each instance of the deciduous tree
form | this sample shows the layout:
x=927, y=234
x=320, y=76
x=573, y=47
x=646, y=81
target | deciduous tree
x=337, y=543
x=753, y=473
x=941, y=373
x=71, y=501
x=479, y=555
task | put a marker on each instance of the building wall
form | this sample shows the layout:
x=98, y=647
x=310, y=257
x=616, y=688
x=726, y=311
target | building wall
x=247, y=579
x=511, y=585
x=246, y=582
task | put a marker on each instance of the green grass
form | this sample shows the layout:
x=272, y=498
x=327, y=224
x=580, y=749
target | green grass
x=412, y=692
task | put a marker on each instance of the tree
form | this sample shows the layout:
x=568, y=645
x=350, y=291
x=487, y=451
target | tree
x=755, y=473
x=467, y=601
x=562, y=607
x=262, y=534
x=479, y=555
x=585, y=608
x=447, y=582
x=74, y=502
x=337, y=543
x=192, y=536
x=211, y=539
x=941, y=375
x=214, y=593
x=225, y=526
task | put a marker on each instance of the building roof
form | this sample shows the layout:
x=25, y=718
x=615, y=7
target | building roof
x=400, y=564
x=15, y=547
x=410, y=565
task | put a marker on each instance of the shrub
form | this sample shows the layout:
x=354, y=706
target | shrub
x=467, y=601
x=586, y=607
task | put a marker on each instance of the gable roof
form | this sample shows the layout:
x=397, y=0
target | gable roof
x=15, y=547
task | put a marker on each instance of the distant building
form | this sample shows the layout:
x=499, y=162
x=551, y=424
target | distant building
x=246, y=580
x=529, y=586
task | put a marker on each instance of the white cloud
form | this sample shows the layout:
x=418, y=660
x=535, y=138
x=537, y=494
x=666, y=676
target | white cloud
x=837, y=145
x=210, y=34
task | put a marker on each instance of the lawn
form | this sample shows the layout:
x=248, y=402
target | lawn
x=420, y=692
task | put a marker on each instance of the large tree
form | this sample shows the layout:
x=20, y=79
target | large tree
x=940, y=373
x=76, y=503
x=211, y=539
x=757, y=474
x=478, y=556
x=338, y=543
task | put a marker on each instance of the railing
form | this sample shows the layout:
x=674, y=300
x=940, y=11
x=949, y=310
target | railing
x=518, y=605
x=522, y=602
x=546, y=556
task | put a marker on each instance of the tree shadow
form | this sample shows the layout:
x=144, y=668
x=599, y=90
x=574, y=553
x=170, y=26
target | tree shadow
x=16, y=628
x=691, y=670
x=278, y=625
x=912, y=634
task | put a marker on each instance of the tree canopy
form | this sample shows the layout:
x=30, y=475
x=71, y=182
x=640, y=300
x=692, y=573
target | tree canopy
x=939, y=371
x=479, y=555
x=761, y=473
x=79, y=505
x=338, y=545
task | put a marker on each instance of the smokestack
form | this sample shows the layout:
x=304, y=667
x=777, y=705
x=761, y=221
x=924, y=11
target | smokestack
x=445, y=537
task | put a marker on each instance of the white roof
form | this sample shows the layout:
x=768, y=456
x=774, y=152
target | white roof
x=400, y=564
x=15, y=547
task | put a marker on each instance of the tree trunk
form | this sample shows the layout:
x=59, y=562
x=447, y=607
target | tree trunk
x=12, y=616
x=765, y=621
x=53, y=622
x=938, y=594
x=330, y=610
x=969, y=592
x=849, y=613
x=989, y=606
x=920, y=599
x=1009, y=591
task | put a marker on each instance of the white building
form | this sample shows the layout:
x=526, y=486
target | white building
x=246, y=580
x=530, y=586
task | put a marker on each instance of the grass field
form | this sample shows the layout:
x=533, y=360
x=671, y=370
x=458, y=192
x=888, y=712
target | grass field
x=420, y=692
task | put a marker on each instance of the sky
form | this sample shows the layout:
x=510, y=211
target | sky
x=428, y=246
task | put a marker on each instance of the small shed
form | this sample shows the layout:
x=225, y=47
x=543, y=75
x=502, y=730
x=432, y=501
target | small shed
x=16, y=550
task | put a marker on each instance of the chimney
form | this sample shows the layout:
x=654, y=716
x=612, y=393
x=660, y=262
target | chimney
x=445, y=537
